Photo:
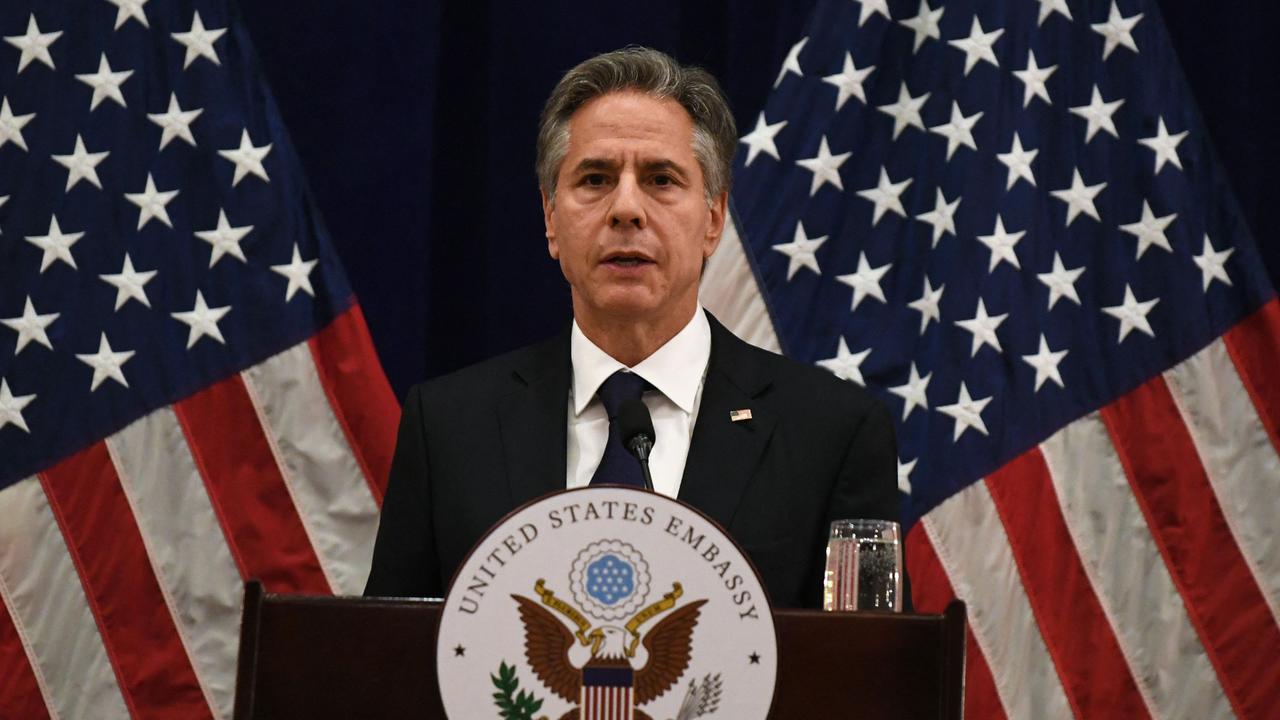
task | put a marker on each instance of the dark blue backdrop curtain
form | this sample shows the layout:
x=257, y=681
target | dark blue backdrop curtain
x=416, y=123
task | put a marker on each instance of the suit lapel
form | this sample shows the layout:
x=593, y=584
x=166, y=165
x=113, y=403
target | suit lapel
x=534, y=425
x=724, y=453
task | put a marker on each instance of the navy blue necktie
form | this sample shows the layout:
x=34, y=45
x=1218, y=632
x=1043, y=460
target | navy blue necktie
x=618, y=466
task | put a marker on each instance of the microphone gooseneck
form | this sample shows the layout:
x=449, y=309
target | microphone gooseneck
x=636, y=430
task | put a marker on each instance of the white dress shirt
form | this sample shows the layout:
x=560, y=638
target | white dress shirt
x=677, y=370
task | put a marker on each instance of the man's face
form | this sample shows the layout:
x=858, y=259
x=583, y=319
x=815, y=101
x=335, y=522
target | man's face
x=630, y=224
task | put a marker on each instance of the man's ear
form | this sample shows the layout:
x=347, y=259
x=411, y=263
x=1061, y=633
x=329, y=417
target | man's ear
x=719, y=216
x=548, y=221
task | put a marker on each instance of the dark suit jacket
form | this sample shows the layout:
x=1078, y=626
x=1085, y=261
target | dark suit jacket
x=476, y=444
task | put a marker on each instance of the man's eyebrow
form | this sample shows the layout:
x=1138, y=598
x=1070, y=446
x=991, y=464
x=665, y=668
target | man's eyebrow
x=589, y=164
x=663, y=166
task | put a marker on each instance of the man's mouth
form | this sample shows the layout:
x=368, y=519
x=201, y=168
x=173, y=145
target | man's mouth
x=627, y=260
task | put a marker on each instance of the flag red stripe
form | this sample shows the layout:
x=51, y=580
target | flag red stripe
x=246, y=489
x=1254, y=345
x=155, y=674
x=1084, y=649
x=18, y=687
x=358, y=390
x=1222, y=598
x=930, y=592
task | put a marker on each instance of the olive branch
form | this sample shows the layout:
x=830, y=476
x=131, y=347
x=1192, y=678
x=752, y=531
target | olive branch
x=512, y=705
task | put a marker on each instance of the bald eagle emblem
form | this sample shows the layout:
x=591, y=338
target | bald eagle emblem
x=609, y=669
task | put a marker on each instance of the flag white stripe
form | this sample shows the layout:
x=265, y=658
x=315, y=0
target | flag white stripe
x=970, y=541
x=729, y=290
x=41, y=684
x=1238, y=457
x=43, y=593
x=186, y=546
x=1129, y=575
x=329, y=489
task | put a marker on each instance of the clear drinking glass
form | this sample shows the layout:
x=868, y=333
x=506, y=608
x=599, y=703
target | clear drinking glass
x=864, y=566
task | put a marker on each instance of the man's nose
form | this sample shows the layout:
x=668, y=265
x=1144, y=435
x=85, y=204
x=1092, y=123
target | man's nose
x=628, y=204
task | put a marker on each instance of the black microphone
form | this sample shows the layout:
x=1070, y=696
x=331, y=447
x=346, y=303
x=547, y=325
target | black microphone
x=635, y=427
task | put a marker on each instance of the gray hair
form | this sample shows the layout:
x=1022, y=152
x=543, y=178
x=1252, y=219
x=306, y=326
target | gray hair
x=640, y=69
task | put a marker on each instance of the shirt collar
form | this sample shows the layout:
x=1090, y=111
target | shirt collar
x=676, y=369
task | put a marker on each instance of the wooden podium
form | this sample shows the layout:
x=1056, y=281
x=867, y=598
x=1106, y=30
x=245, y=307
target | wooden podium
x=325, y=657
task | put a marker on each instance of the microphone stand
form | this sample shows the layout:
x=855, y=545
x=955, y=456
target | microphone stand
x=640, y=445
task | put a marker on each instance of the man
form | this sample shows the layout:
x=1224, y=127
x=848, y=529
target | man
x=634, y=158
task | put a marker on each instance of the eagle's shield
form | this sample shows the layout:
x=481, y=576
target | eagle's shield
x=607, y=693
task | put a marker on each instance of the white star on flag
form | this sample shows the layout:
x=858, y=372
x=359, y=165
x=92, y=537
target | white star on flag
x=30, y=327
x=81, y=164
x=904, y=475
x=1165, y=146
x=761, y=139
x=34, y=44
x=912, y=392
x=224, y=239
x=1018, y=161
x=247, y=158
x=849, y=81
x=202, y=321
x=130, y=9
x=1061, y=281
x=885, y=196
x=865, y=281
x=801, y=251
x=928, y=304
x=872, y=7
x=846, y=365
x=1046, y=363
x=978, y=46
x=11, y=125
x=983, y=328
x=199, y=42
x=967, y=412
x=941, y=217
x=151, y=203
x=924, y=24
x=1150, y=230
x=1132, y=314
x=1079, y=197
x=1118, y=30
x=56, y=245
x=105, y=83
x=106, y=363
x=1034, y=78
x=1098, y=114
x=298, y=271
x=906, y=111
x=1212, y=263
x=792, y=62
x=130, y=284
x=824, y=166
x=175, y=122
x=1002, y=245
x=1048, y=7
x=11, y=407
x=959, y=130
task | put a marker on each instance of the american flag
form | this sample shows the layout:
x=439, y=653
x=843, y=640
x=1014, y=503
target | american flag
x=1006, y=219
x=188, y=395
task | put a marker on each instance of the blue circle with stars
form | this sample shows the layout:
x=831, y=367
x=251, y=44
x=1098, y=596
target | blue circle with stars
x=610, y=579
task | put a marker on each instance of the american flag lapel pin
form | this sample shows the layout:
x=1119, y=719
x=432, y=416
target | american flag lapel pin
x=740, y=415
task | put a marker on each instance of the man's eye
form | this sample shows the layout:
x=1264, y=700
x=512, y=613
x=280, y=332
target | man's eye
x=594, y=179
x=663, y=180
